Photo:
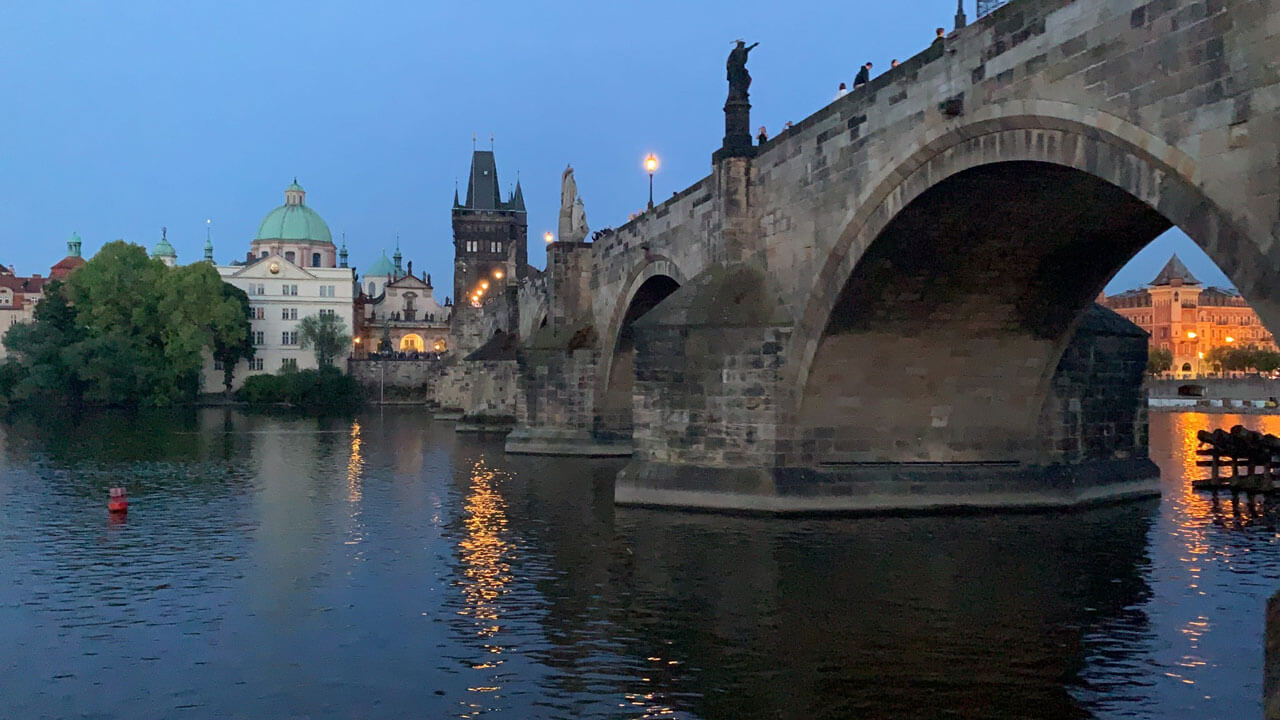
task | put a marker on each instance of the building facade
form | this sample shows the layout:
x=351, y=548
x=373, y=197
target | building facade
x=396, y=312
x=19, y=295
x=1190, y=320
x=290, y=272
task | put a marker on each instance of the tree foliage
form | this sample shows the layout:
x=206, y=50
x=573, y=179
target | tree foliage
x=327, y=334
x=125, y=330
x=323, y=390
x=1159, y=360
x=230, y=347
x=1234, y=358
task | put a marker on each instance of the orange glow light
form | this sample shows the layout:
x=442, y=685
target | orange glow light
x=651, y=163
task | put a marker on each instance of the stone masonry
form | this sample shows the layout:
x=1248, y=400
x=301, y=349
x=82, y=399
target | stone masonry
x=896, y=291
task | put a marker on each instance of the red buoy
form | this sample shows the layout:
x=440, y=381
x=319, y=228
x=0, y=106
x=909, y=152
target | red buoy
x=116, y=501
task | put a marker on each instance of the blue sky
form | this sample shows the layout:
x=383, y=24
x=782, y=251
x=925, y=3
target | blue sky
x=122, y=117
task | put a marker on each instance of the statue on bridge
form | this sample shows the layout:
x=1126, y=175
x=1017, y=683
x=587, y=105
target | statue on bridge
x=739, y=78
x=573, y=215
x=737, y=109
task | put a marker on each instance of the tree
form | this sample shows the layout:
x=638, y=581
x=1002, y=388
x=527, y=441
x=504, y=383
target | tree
x=125, y=330
x=327, y=334
x=230, y=348
x=1159, y=360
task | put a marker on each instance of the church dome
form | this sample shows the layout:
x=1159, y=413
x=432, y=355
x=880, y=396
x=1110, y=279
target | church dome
x=294, y=221
x=382, y=266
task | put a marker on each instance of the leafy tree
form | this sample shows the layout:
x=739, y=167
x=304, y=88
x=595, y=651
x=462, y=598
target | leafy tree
x=327, y=334
x=125, y=330
x=230, y=348
x=40, y=367
x=1159, y=360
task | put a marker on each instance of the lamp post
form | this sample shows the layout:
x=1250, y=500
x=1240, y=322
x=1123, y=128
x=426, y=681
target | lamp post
x=548, y=237
x=651, y=164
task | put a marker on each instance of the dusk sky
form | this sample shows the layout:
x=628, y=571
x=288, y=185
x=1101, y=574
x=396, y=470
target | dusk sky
x=122, y=117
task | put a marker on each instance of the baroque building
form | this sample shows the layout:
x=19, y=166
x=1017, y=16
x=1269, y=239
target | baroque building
x=1188, y=319
x=396, y=311
x=290, y=272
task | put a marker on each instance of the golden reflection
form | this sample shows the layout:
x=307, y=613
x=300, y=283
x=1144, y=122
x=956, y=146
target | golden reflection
x=484, y=553
x=355, y=476
x=355, y=464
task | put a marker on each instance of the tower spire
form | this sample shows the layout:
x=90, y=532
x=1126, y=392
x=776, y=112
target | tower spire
x=960, y=18
x=208, y=241
x=342, y=254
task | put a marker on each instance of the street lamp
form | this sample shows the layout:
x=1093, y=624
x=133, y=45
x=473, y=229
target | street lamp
x=497, y=274
x=1191, y=335
x=548, y=236
x=1230, y=339
x=651, y=165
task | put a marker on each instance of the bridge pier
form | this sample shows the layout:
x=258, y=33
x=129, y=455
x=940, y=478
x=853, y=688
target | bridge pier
x=713, y=430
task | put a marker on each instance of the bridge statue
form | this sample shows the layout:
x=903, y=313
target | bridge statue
x=737, y=109
x=739, y=78
x=573, y=215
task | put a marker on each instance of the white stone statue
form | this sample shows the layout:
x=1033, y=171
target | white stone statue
x=573, y=216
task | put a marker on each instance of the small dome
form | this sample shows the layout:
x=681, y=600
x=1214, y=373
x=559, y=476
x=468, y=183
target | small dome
x=382, y=266
x=294, y=221
x=163, y=248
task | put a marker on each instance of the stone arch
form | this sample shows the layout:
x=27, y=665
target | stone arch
x=412, y=342
x=1113, y=152
x=657, y=275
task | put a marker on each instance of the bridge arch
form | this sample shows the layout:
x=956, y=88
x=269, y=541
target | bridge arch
x=647, y=285
x=1054, y=148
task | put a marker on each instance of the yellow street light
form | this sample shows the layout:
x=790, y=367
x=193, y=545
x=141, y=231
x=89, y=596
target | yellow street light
x=1201, y=355
x=497, y=274
x=1191, y=334
x=548, y=236
x=650, y=166
x=1230, y=339
x=484, y=284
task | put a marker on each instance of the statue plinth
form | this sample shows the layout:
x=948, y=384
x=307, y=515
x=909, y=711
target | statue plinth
x=737, y=130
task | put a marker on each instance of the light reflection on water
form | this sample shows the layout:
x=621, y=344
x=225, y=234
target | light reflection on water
x=386, y=567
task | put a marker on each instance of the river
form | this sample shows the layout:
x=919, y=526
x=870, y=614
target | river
x=385, y=567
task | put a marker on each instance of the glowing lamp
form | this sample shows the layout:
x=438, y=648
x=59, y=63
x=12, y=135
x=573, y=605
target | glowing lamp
x=548, y=236
x=497, y=274
x=1191, y=335
x=1230, y=339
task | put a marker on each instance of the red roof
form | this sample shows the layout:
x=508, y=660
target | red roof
x=64, y=267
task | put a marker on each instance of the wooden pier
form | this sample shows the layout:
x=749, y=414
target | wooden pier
x=1239, y=461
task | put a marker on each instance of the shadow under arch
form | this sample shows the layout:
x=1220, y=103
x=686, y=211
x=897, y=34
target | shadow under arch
x=649, y=287
x=1004, y=228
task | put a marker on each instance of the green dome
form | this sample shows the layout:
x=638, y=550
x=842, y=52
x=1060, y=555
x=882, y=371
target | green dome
x=294, y=221
x=382, y=266
x=163, y=248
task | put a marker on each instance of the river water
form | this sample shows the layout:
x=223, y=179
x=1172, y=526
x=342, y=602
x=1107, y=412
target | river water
x=388, y=568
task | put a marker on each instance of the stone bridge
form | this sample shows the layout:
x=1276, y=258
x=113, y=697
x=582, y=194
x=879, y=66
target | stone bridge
x=890, y=304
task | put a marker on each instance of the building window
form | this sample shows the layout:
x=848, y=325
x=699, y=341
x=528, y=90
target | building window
x=264, y=254
x=289, y=364
x=328, y=313
x=288, y=313
x=288, y=289
x=315, y=259
x=372, y=290
x=255, y=364
x=473, y=246
x=262, y=289
x=289, y=255
x=217, y=365
x=259, y=338
x=289, y=337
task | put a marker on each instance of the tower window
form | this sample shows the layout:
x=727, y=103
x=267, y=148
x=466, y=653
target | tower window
x=315, y=259
x=289, y=255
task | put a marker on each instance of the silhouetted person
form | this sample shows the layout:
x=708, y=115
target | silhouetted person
x=763, y=136
x=942, y=36
x=864, y=75
x=842, y=91
x=893, y=63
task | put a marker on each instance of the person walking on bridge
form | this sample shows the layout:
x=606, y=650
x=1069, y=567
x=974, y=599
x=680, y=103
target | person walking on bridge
x=864, y=76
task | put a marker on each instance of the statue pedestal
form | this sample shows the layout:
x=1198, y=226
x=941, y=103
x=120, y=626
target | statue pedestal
x=737, y=131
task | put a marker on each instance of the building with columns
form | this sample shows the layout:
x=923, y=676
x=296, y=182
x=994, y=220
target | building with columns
x=290, y=272
x=1188, y=319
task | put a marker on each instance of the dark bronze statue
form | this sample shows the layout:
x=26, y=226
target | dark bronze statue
x=739, y=78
